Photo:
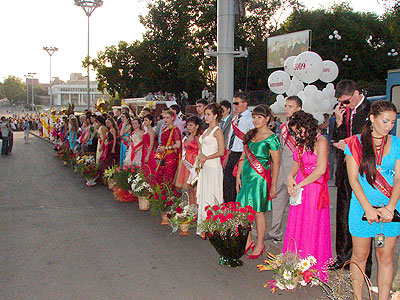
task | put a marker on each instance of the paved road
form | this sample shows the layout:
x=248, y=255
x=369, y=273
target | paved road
x=63, y=240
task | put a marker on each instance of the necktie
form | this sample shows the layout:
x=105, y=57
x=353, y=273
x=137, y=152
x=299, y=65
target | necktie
x=232, y=140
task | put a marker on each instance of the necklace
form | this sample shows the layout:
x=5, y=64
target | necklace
x=378, y=151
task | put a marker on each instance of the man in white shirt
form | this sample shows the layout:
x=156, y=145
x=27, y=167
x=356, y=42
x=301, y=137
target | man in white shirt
x=241, y=124
x=177, y=121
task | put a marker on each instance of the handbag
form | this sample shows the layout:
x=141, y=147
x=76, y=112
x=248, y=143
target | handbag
x=396, y=215
x=194, y=181
x=294, y=201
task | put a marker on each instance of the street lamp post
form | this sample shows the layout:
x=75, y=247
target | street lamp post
x=50, y=51
x=88, y=7
x=33, y=99
x=27, y=87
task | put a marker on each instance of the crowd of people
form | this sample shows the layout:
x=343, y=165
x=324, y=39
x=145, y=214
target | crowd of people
x=227, y=153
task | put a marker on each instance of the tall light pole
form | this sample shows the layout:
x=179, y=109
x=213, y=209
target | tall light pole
x=27, y=87
x=88, y=7
x=50, y=51
x=33, y=99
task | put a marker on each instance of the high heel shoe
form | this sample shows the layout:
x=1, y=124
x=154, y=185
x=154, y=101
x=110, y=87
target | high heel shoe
x=252, y=256
x=252, y=245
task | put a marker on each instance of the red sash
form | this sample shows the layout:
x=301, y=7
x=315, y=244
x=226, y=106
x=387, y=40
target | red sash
x=133, y=153
x=289, y=140
x=380, y=182
x=236, y=129
x=258, y=167
x=323, y=197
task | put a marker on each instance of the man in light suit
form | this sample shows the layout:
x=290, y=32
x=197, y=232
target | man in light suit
x=292, y=104
x=226, y=120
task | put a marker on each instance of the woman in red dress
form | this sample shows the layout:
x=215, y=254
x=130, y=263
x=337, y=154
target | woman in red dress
x=169, y=151
x=187, y=167
x=149, y=163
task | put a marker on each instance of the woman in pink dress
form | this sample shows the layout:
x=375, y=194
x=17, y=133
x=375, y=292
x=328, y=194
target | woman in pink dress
x=149, y=163
x=309, y=222
x=187, y=168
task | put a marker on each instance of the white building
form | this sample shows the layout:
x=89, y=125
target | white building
x=75, y=91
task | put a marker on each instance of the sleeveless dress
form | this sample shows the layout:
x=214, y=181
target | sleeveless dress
x=151, y=165
x=309, y=226
x=134, y=154
x=360, y=228
x=72, y=137
x=190, y=151
x=210, y=183
x=124, y=147
x=107, y=158
x=100, y=145
x=254, y=190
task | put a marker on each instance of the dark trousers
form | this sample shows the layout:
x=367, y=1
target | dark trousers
x=344, y=243
x=229, y=179
x=4, y=146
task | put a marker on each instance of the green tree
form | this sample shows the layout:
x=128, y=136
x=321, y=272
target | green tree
x=14, y=89
x=365, y=38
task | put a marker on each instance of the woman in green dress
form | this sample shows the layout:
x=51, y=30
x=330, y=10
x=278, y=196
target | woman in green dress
x=254, y=183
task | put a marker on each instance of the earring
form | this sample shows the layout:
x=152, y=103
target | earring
x=372, y=126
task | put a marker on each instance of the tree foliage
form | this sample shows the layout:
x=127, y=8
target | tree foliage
x=14, y=89
x=366, y=38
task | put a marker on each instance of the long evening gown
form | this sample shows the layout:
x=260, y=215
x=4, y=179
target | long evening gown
x=254, y=191
x=108, y=158
x=308, y=225
x=100, y=145
x=148, y=168
x=134, y=154
x=210, y=184
x=190, y=151
x=124, y=146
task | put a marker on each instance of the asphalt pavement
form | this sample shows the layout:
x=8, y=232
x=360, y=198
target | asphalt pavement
x=63, y=240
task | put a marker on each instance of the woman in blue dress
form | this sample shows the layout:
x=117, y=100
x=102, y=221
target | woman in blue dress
x=373, y=166
x=73, y=132
x=125, y=132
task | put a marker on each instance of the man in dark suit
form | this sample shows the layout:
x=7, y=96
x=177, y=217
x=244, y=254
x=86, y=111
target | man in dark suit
x=226, y=120
x=351, y=115
x=200, y=106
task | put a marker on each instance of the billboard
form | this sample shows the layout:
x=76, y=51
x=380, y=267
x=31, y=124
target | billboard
x=282, y=46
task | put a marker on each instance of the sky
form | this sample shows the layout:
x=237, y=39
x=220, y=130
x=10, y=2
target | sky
x=27, y=26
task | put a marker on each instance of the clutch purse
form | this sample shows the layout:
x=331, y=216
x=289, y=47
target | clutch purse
x=294, y=201
x=396, y=215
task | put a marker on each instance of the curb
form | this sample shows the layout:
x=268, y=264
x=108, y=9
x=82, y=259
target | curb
x=42, y=138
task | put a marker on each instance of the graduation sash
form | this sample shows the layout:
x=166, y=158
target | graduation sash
x=289, y=140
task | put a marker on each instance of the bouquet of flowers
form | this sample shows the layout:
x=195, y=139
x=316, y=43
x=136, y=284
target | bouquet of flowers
x=139, y=185
x=290, y=270
x=164, y=198
x=87, y=166
x=227, y=218
x=64, y=152
x=183, y=214
x=109, y=173
x=122, y=175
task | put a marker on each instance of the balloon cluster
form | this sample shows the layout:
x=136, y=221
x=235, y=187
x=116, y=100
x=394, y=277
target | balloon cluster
x=307, y=67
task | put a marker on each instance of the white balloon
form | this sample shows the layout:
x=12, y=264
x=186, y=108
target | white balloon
x=295, y=87
x=279, y=82
x=330, y=71
x=310, y=90
x=288, y=65
x=280, y=99
x=330, y=86
x=325, y=106
x=308, y=66
x=319, y=117
x=318, y=97
x=301, y=95
x=277, y=108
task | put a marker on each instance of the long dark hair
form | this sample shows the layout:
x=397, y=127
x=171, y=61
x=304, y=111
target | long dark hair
x=196, y=121
x=260, y=110
x=216, y=109
x=301, y=119
x=128, y=117
x=368, y=161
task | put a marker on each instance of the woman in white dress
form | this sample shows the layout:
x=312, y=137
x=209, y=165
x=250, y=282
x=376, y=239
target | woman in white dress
x=209, y=188
x=134, y=154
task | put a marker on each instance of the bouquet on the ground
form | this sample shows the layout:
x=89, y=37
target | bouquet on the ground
x=290, y=270
x=86, y=165
x=226, y=219
x=182, y=214
x=139, y=184
x=164, y=197
x=122, y=175
x=109, y=173
x=64, y=152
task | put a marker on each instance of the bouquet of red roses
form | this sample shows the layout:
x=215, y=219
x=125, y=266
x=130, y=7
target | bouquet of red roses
x=227, y=218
